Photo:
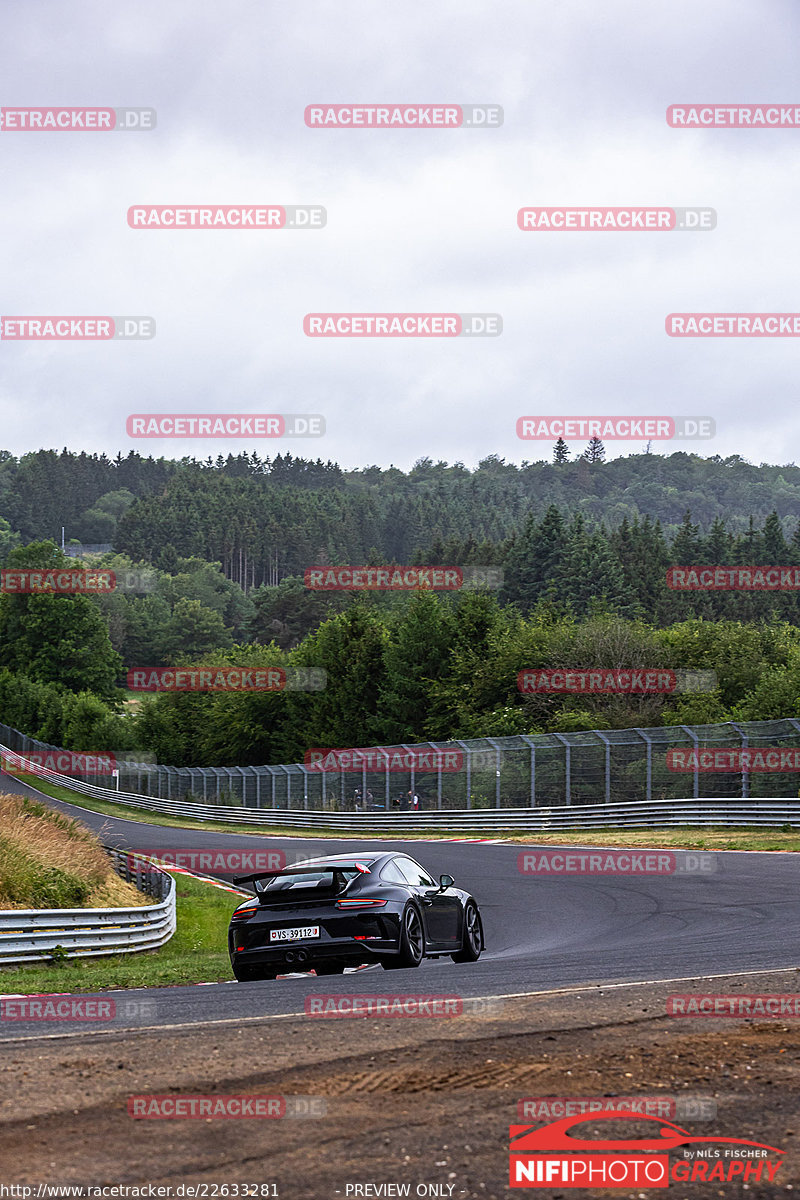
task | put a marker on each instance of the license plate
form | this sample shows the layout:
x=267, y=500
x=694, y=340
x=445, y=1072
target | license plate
x=298, y=934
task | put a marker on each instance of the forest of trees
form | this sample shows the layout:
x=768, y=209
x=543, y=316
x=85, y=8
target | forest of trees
x=584, y=547
x=406, y=668
x=264, y=519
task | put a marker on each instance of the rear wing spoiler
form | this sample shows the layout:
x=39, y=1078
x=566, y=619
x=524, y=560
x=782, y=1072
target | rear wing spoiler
x=309, y=869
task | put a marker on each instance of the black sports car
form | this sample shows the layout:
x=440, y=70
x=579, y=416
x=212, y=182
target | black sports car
x=347, y=909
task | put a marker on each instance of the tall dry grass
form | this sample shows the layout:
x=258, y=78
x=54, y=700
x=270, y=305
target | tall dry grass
x=48, y=860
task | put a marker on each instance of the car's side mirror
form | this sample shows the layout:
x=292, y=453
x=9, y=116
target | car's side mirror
x=445, y=881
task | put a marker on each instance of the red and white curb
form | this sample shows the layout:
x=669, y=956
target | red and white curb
x=165, y=866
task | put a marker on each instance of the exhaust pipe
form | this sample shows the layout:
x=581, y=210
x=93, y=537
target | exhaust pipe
x=290, y=955
x=302, y=955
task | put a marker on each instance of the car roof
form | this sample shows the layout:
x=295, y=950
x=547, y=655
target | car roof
x=340, y=860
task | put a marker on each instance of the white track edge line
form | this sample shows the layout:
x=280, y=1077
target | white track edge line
x=593, y=987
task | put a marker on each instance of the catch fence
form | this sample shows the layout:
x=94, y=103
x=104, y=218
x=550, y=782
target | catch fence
x=539, y=771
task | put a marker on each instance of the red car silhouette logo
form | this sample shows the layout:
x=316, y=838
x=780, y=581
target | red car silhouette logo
x=556, y=1136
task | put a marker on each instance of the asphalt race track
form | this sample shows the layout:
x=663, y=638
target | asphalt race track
x=541, y=933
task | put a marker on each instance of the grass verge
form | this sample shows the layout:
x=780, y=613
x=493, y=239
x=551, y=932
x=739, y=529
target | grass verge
x=197, y=953
x=49, y=860
x=126, y=812
x=713, y=837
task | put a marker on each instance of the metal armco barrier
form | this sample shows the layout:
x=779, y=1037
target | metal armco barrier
x=31, y=935
x=768, y=812
x=611, y=766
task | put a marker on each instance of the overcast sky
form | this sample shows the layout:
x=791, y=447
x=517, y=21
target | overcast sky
x=418, y=221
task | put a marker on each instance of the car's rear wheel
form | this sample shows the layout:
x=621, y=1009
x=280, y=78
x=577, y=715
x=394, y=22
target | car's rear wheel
x=412, y=942
x=472, y=940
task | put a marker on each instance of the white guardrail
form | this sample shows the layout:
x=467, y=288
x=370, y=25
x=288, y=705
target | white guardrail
x=638, y=814
x=34, y=934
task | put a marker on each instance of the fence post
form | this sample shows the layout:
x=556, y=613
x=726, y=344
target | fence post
x=468, y=752
x=244, y=786
x=796, y=724
x=567, y=767
x=695, y=742
x=649, y=742
x=387, y=796
x=532, y=744
x=493, y=742
x=409, y=751
x=745, y=772
x=438, y=754
x=599, y=733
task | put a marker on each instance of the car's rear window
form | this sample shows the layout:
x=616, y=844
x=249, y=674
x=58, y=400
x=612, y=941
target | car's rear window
x=324, y=880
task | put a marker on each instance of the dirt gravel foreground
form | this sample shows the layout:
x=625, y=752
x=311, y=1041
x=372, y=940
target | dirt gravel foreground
x=423, y=1102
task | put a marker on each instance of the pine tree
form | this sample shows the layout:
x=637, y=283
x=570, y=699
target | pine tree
x=776, y=552
x=533, y=559
x=590, y=576
x=595, y=452
x=718, y=544
x=560, y=452
x=686, y=545
x=415, y=657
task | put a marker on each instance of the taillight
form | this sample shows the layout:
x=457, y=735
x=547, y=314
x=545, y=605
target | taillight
x=244, y=914
x=360, y=903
